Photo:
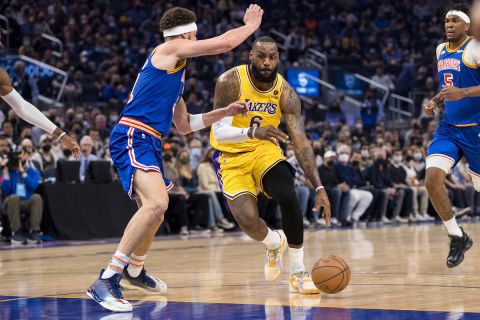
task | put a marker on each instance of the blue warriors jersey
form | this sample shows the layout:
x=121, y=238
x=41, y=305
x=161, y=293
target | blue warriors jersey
x=154, y=96
x=454, y=70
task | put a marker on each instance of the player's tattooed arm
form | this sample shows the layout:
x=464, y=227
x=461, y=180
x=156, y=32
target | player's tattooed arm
x=227, y=90
x=291, y=108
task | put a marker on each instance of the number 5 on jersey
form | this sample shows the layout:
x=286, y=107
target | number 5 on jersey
x=448, y=79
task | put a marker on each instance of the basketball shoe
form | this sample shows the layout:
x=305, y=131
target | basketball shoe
x=274, y=259
x=108, y=294
x=143, y=281
x=458, y=247
x=301, y=282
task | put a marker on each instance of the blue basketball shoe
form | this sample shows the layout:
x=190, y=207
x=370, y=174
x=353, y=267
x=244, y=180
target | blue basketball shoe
x=108, y=294
x=143, y=281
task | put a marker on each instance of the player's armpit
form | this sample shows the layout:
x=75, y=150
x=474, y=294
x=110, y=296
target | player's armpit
x=292, y=111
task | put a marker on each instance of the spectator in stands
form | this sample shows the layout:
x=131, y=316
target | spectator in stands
x=18, y=188
x=360, y=199
x=370, y=110
x=116, y=93
x=196, y=153
x=30, y=162
x=462, y=173
x=335, y=116
x=177, y=205
x=86, y=147
x=383, y=79
x=24, y=83
x=7, y=131
x=381, y=184
x=420, y=195
x=337, y=189
x=302, y=187
x=45, y=156
x=404, y=194
x=208, y=184
x=100, y=123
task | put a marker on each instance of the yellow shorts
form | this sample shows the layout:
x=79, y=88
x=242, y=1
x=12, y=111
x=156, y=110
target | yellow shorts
x=242, y=173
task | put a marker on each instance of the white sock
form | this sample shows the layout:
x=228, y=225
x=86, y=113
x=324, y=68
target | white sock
x=453, y=228
x=272, y=240
x=116, y=265
x=136, y=265
x=296, y=259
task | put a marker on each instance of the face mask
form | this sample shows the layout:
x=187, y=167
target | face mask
x=290, y=153
x=343, y=158
x=397, y=159
x=365, y=153
x=113, y=118
x=67, y=153
x=329, y=163
x=184, y=160
x=196, y=153
x=418, y=156
x=355, y=163
x=78, y=132
x=167, y=157
x=47, y=148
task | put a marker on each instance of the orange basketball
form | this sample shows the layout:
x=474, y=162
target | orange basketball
x=331, y=274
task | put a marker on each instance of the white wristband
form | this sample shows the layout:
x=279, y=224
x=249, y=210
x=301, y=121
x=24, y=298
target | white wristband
x=61, y=136
x=196, y=122
x=319, y=188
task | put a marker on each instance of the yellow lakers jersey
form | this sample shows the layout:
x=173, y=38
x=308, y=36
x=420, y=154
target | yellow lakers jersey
x=263, y=110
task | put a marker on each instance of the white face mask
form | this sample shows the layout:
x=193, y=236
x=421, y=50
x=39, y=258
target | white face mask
x=397, y=159
x=290, y=153
x=343, y=157
x=418, y=156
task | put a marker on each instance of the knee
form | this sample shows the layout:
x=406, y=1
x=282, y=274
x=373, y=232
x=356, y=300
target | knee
x=37, y=198
x=11, y=199
x=156, y=208
x=476, y=182
x=434, y=179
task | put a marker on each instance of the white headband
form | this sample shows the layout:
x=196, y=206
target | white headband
x=462, y=15
x=175, y=31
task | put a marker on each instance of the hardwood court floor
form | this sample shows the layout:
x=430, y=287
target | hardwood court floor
x=394, y=268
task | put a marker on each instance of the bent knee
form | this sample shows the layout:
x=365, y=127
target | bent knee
x=475, y=181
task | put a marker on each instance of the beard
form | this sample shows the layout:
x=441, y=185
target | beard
x=260, y=77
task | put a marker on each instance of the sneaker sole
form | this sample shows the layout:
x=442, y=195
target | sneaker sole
x=291, y=289
x=127, y=285
x=108, y=306
x=470, y=244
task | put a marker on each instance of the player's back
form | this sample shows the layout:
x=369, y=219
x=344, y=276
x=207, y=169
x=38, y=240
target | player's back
x=263, y=110
x=154, y=96
x=459, y=68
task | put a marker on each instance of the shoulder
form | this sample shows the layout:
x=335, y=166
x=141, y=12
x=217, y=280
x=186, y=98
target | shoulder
x=229, y=76
x=440, y=47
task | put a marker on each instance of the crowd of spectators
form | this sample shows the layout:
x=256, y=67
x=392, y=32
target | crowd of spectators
x=371, y=174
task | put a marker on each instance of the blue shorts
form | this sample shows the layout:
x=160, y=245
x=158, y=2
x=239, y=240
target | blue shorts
x=451, y=143
x=133, y=149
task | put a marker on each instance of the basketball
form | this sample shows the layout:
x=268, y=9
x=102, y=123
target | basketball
x=331, y=274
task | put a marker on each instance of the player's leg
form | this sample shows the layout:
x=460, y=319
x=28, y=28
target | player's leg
x=278, y=183
x=135, y=276
x=149, y=186
x=443, y=153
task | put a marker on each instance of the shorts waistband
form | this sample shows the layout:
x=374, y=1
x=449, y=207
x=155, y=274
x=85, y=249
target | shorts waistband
x=141, y=126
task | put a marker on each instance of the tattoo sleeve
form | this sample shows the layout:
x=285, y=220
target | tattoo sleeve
x=227, y=90
x=291, y=108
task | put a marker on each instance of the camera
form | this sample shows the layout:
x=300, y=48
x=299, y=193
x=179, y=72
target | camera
x=13, y=158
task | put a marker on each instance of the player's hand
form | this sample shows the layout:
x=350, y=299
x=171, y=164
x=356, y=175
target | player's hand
x=71, y=144
x=270, y=133
x=451, y=93
x=253, y=16
x=429, y=108
x=237, y=107
x=321, y=201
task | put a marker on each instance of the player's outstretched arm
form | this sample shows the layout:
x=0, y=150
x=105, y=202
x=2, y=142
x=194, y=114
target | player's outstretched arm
x=29, y=113
x=291, y=109
x=183, y=48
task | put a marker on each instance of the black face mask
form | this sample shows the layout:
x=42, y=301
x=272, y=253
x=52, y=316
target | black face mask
x=167, y=157
x=355, y=163
x=67, y=153
x=47, y=148
x=78, y=132
x=260, y=77
x=329, y=163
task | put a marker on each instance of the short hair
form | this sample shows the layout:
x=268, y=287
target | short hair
x=457, y=6
x=264, y=39
x=175, y=17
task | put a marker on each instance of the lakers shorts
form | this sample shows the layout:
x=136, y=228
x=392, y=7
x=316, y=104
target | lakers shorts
x=242, y=173
x=132, y=149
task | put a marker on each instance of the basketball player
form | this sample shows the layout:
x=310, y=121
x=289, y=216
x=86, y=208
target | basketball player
x=248, y=158
x=135, y=143
x=29, y=113
x=458, y=134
